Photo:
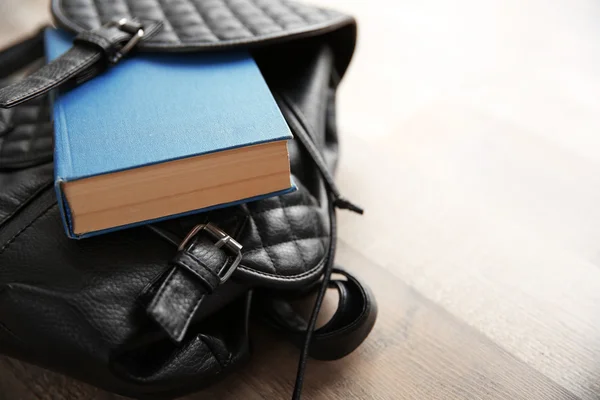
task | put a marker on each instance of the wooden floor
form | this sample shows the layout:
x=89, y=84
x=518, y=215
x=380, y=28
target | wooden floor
x=471, y=134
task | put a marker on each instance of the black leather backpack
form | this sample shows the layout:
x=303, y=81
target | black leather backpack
x=122, y=311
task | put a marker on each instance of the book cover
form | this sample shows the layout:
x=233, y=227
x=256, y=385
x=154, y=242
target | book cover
x=156, y=108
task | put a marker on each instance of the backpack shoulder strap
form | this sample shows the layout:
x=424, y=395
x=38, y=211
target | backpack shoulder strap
x=346, y=330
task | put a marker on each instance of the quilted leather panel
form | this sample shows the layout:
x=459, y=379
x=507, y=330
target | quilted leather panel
x=285, y=238
x=25, y=152
x=25, y=135
x=197, y=24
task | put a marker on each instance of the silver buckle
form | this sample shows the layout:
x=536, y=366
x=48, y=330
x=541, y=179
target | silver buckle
x=131, y=27
x=222, y=240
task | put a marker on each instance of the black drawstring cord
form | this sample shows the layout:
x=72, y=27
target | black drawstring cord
x=319, y=301
x=344, y=204
x=296, y=121
x=299, y=127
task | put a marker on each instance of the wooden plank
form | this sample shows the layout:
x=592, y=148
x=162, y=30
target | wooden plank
x=470, y=137
x=21, y=381
x=493, y=224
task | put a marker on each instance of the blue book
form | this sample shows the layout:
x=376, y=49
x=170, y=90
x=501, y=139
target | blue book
x=163, y=135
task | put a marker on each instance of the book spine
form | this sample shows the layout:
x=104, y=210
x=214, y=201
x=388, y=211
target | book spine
x=63, y=163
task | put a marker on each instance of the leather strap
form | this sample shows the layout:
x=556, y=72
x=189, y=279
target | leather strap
x=14, y=58
x=196, y=273
x=92, y=52
x=345, y=331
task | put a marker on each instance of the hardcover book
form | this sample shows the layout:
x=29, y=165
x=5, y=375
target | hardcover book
x=162, y=135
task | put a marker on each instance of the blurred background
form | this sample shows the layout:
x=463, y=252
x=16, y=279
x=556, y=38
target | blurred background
x=470, y=133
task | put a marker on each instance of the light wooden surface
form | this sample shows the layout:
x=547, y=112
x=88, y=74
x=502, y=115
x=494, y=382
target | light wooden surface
x=471, y=134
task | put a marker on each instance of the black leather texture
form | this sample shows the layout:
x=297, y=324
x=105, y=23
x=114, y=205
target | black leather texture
x=181, y=25
x=91, y=54
x=72, y=63
x=342, y=334
x=195, y=275
x=130, y=312
x=206, y=24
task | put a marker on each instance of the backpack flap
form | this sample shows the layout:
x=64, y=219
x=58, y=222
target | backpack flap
x=107, y=31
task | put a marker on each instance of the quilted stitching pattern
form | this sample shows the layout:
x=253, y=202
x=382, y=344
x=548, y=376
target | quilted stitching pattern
x=285, y=236
x=201, y=23
x=25, y=135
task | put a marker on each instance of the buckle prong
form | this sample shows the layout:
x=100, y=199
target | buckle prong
x=131, y=27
